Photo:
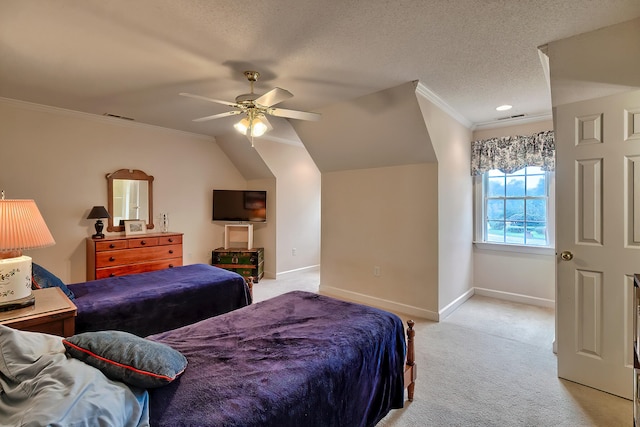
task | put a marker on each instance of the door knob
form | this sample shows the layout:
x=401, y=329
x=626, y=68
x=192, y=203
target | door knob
x=566, y=256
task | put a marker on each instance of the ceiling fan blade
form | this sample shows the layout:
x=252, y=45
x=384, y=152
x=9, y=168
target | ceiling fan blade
x=218, y=116
x=293, y=114
x=273, y=97
x=204, y=98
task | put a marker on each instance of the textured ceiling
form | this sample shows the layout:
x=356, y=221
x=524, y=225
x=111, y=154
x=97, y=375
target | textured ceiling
x=132, y=58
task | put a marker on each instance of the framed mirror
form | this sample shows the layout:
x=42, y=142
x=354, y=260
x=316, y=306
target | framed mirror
x=130, y=195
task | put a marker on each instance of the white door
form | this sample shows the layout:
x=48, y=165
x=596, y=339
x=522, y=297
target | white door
x=598, y=239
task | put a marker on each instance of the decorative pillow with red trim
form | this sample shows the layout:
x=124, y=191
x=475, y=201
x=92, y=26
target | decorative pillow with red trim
x=128, y=358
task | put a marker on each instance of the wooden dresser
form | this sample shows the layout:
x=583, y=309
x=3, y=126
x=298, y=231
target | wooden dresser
x=121, y=255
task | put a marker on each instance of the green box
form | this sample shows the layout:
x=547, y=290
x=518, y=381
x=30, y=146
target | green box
x=246, y=262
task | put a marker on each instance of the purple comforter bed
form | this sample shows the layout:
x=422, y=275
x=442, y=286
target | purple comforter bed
x=299, y=359
x=148, y=303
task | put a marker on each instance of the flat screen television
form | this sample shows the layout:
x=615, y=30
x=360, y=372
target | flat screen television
x=240, y=205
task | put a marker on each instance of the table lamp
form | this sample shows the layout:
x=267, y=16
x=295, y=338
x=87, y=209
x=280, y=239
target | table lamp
x=21, y=227
x=98, y=212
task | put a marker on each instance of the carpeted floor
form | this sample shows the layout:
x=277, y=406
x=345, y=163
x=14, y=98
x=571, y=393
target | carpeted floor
x=490, y=363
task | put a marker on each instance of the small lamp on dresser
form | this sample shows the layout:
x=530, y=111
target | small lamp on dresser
x=98, y=212
x=21, y=227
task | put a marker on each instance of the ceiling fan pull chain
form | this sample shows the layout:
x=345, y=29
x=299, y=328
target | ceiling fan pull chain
x=250, y=130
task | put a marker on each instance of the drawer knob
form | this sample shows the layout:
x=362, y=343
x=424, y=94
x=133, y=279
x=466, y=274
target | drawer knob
x=111, y=246
x=112, y=275
x=170, y=240
x=170, y=251
x=143, y=242
x=111, y=258
x=170, y=265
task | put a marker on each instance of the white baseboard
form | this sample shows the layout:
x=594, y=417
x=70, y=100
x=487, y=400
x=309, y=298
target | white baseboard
x=379, y=303
x=456, y=303
x=509, y=296
x=297, y=270
x=427, y=314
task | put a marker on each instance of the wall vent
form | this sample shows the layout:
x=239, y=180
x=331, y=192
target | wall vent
x=517, y=116
x=118, y=117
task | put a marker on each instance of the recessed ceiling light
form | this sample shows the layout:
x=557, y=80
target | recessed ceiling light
x=504, y=107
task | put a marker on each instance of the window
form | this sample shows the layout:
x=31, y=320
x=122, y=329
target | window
x=516, y=208
x=514, y=211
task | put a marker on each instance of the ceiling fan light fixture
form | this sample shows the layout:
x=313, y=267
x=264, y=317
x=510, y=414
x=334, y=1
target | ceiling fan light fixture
x=504, y=107
x=258, y=128
x=242, y=126
x=255, y=108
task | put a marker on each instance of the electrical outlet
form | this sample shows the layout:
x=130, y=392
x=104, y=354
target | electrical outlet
x=294, y=251
x=376, y=271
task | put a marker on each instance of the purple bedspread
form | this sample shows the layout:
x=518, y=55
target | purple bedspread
x=157, y=301
x=299, y=359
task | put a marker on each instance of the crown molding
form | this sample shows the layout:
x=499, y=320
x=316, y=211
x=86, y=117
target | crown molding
x=543, y=54
x=99, y=118
x=440, y=103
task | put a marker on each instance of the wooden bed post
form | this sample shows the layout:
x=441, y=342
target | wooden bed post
x=410, y=369
x=249, y=281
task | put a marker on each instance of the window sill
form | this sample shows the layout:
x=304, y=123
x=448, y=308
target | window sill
x=537, y=250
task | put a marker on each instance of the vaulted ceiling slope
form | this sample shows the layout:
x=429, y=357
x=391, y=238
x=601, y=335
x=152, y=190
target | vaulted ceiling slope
x=385, y=128
x=246, y=158
x=595, y=64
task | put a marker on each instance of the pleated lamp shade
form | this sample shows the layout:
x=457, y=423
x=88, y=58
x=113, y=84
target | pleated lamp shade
x=21, y=227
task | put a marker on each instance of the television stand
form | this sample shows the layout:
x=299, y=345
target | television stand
x=238, y=233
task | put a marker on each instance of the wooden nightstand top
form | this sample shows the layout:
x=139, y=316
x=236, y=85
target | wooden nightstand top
x=51, y=307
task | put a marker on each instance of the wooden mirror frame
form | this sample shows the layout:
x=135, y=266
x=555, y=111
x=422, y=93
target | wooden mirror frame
x=128, y=174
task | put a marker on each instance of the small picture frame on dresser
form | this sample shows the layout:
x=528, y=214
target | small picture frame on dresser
x=132, y=227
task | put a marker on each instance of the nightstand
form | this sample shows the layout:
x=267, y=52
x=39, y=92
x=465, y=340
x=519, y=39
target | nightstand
x=53, y=313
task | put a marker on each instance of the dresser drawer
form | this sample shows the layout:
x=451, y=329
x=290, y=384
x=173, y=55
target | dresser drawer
x=123, y=270
x=143, y=242
x=137, y=255
x=109, y=246
x=170, y=240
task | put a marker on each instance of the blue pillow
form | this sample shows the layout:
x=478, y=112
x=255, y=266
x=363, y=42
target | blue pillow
x=128, y=358
x=41, y=278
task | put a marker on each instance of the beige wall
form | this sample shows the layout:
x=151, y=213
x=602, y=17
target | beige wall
x=524, y=277
x=297, y=205
x=455, y=205
x=264, y=234
x=407, y=220
x=60, y=159
x=386, y=218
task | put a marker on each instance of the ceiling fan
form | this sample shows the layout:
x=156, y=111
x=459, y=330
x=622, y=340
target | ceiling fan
x=256, y=107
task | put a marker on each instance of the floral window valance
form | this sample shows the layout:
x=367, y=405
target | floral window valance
x=511, y=153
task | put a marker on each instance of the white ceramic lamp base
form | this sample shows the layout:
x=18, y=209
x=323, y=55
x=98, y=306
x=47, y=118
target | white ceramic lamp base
x=15, y=283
